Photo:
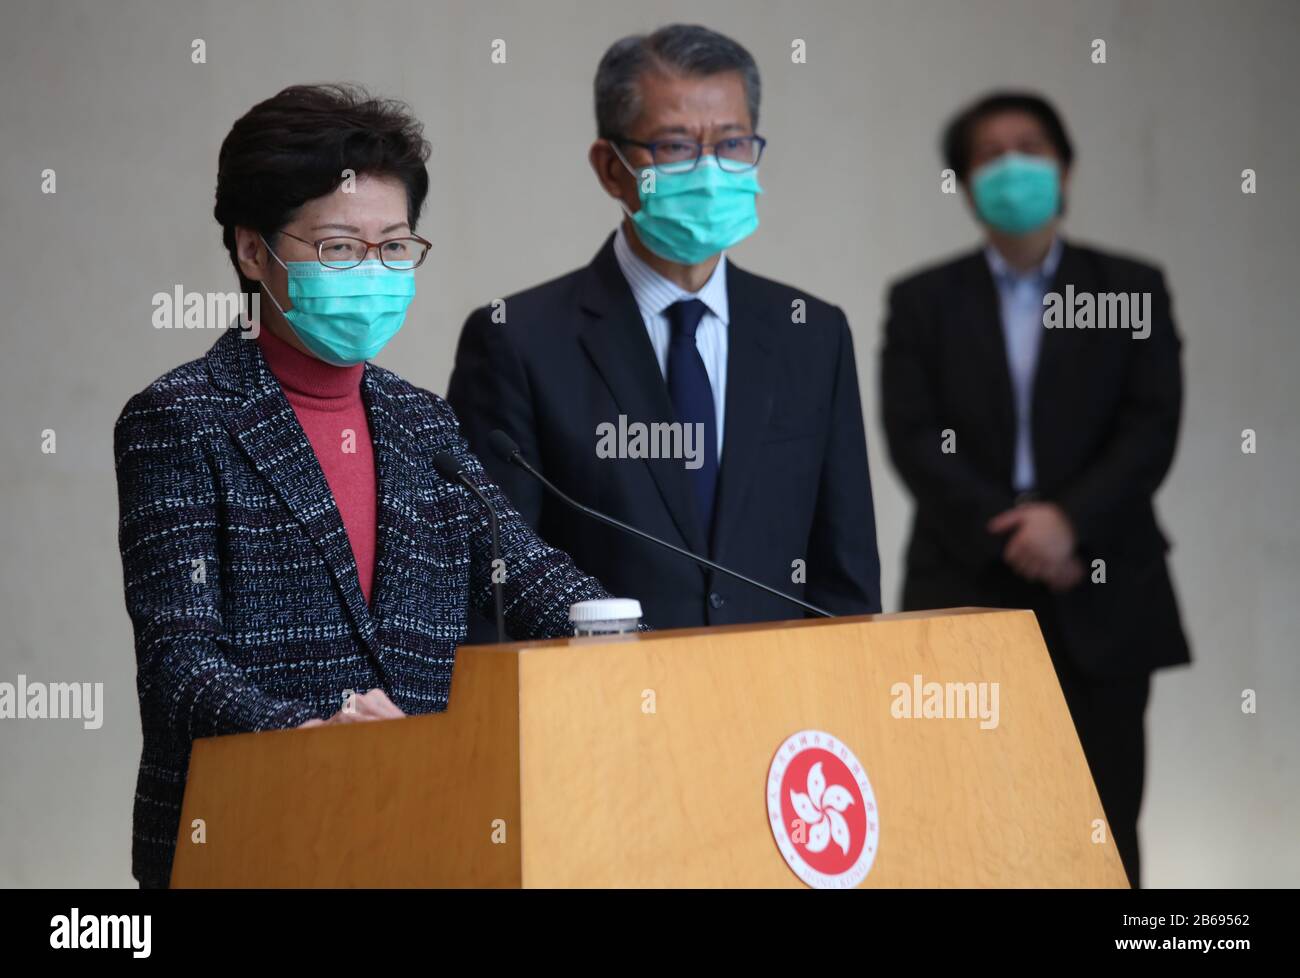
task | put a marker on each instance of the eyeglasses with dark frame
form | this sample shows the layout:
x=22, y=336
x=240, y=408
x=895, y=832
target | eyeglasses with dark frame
x=349, y=252
x=734, y=154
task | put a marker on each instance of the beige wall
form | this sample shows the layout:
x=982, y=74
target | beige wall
x=1192, y=93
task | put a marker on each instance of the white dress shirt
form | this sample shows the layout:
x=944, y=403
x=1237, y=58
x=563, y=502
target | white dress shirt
x=654, y=294
x=1020, y=296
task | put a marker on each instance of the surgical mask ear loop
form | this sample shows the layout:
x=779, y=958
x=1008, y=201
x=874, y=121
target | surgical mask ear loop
x=636, y=177
x=263, y=286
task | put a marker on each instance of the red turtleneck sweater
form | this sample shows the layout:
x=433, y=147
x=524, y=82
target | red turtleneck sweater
x=327, y=401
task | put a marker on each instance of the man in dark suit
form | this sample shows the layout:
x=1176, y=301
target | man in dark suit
x=1033, y=436
x=767, y=469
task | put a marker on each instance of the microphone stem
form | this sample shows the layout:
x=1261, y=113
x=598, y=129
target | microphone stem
x=519, y=460
x=496, y=553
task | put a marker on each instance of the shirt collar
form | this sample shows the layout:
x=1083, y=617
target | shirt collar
x=1042, y=274
x=654, y=293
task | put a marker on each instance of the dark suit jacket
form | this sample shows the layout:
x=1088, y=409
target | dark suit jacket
x=793, y=484
x=1105, y=421
x=242, y=586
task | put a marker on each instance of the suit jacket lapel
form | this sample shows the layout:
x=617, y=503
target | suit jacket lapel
x=265, y=426
x=982, y=323
x=750, y=383
x=1053, y=352
x=619, y=346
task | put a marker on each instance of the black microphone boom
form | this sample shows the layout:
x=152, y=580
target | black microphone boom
x=452, y=471
x=506, y=448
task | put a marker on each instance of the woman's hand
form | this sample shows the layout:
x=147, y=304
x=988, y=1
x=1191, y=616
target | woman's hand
x=373, y=705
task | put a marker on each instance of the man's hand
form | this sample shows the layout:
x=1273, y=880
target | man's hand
x=1041, y=542
x=374, y=705
x=1065, y=576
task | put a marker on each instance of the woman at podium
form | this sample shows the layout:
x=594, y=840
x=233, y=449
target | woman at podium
x=290, y=554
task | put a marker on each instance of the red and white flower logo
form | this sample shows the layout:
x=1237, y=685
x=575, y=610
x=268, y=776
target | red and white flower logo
x=822, y=810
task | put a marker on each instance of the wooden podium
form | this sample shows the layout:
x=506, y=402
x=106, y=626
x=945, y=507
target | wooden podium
x=643, y=761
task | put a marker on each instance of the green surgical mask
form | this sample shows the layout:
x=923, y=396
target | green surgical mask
x=690, y=215
x=345, y=316
x=1016, y=193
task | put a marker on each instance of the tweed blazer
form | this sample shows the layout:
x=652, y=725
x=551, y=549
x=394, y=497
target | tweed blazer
x=241, y=583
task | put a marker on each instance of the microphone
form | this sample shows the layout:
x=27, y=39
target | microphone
x=506, y=448
x=453, y=471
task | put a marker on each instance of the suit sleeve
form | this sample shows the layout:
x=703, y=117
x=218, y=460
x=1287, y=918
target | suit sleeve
x=948, y=490
x=489, y=390
x=1137, y=456
x=843, y=561
x=540, y=582
x=171, y=569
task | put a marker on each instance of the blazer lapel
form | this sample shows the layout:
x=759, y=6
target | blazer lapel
x=617, y=342
x=395, y=475
x=981, y=322
x=750, y=382
x=267, y=429
x=1054, y=360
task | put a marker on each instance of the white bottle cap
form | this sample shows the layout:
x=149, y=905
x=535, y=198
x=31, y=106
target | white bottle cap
x=605, y=609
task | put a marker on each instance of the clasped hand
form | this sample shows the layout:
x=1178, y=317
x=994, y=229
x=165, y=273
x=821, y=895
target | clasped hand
x=1041, y=544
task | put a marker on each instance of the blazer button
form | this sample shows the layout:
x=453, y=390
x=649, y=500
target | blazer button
x=716, y=600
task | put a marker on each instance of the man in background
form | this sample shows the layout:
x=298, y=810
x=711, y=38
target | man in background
x=1033, y=436
x=767, y=469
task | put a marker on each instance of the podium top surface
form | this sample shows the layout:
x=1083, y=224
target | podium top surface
x=762, y=626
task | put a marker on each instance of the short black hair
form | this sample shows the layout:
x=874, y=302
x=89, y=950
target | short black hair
x=956, y=143
x=294, y=147
x=685, y=49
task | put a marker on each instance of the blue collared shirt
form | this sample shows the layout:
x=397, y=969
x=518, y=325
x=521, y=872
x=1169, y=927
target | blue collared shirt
x=1021, y=299
x=654, y=294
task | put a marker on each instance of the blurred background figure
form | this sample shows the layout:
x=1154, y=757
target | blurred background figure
x=1033, y=453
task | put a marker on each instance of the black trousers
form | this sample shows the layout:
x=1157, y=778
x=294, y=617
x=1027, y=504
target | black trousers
x=1110, y=717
